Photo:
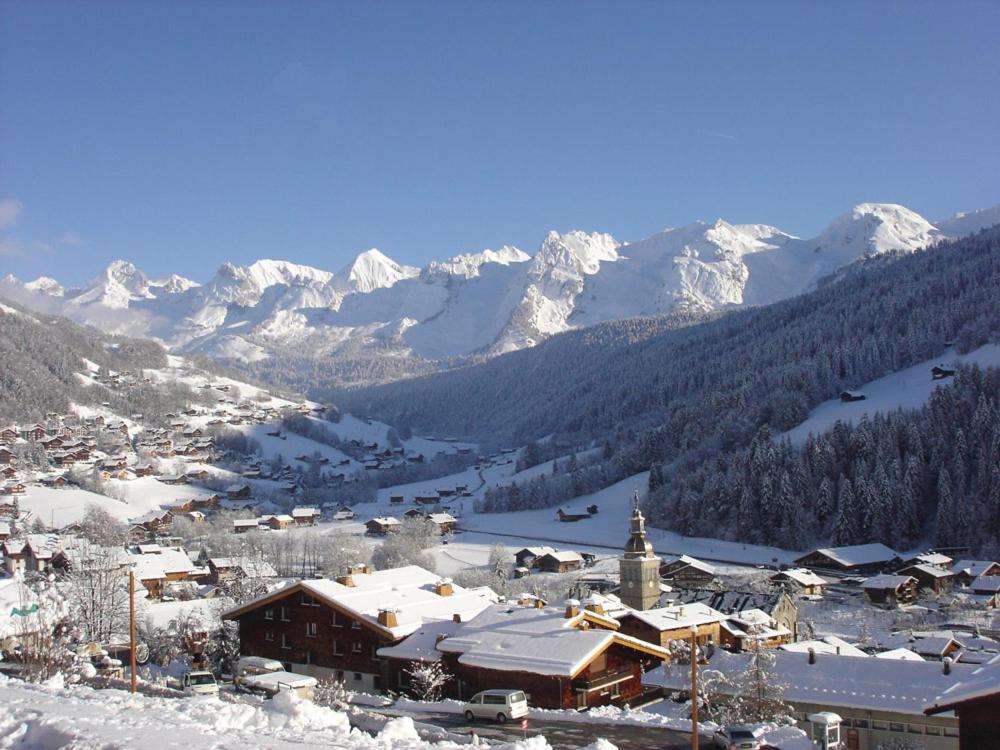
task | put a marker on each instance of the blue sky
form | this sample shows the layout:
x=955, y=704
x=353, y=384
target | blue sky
x=180, y=135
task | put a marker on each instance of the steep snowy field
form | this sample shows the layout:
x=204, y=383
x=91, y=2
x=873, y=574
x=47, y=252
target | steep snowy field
x=906, y=389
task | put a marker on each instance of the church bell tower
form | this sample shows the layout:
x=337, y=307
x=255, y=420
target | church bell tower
x=639, y=567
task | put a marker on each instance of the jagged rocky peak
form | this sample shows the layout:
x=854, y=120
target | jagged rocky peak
x=468, y=265
x=175, y=284
x=583, y=251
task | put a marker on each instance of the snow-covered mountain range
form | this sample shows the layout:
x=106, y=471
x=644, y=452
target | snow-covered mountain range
x=480, y=303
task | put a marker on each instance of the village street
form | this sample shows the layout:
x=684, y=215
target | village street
x=561, y=735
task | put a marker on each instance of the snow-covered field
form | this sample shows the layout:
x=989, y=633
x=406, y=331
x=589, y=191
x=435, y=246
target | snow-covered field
x=52, y=716
x=905, y=389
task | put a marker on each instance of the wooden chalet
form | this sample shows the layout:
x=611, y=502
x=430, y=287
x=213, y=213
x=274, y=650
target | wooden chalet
x=561, y=658
x=527, y=557
x=890, y=591
x=663, y=626
x=777, y=605
x=305, y=516
x=559, y=561
x=987, y=590
x=444, y=522
x=335, y=628
x=929, y=577
x=243, y=525
x=849, y=396
x=966, y=571
x=863, y=559
x=279, y=522
x=238, y=491
x=6, y=456
x=9, y=435
x=688, y=572
x=800, y=580
x=939, y=373
x=382, y=525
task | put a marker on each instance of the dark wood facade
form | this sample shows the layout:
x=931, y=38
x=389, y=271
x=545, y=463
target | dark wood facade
x=315, y=638
x=613, y=677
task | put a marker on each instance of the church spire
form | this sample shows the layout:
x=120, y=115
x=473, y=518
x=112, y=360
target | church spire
x=637, y=545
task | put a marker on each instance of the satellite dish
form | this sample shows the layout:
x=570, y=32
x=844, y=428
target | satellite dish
x=141, y=653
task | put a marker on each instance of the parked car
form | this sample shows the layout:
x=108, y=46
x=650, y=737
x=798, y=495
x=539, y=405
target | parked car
x=254, y=665
x=497, y=704
x=196, y=682
x=737, y=737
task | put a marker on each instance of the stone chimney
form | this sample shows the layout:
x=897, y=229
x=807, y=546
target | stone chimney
x=443, y=587
x=346, y=580
x=572, y=607
x=358, y=569
x=387, y=618
x=592, y=605
x=456, y=617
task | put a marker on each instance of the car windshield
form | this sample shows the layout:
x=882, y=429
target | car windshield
x=202, y=679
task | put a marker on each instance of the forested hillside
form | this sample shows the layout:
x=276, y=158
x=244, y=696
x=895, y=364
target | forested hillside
x=900, y=478
x=41, y=356
x=682, y=397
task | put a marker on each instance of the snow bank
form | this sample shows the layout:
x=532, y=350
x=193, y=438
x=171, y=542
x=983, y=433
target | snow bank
x=49, y=716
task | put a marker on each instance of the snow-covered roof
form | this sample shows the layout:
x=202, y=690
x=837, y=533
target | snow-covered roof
x=985, y=680
x=678, y=616
x=440, y=518
x=564, y=556
x=386, y=520
x=802, y=576
x=858, y=554
x=932, y=570
x=974, y=568
x=837, y=681
x=536, y=551
x=693, y=562
x=160, y=564
x=513, y=638
x=990, y=584
x=903, y=654
x=422, y=645
x=829, y=644
x=305, y=512
x=934, y=558
x=886, y=582
x=410, y=591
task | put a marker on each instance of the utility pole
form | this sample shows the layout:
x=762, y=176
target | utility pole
x=694, y=687
x=131, y=627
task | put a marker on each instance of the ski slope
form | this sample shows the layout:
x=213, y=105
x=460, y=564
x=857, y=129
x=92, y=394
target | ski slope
x=905, y=389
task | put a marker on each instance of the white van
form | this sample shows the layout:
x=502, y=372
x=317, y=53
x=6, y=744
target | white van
x=497, y=704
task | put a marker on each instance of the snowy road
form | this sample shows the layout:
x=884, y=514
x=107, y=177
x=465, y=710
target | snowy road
x=565, y=735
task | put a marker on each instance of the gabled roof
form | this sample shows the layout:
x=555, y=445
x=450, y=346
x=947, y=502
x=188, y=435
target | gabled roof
x=982, y=683
x=931, y=570
x=563, y=556
x=989, y=584
x=409, y=591
x=829, y=644
x=679, y=616
x=973, y=568
x=685, y=561
x=802, y=576
x=513, y=638
x=886, y=582
x=856, y=554
x=870, y=684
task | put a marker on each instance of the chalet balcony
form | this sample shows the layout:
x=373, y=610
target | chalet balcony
x=604, y=680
